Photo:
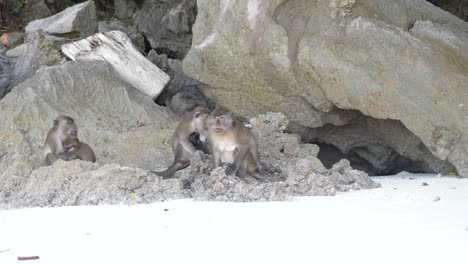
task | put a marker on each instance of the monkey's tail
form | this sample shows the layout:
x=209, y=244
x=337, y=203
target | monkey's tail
x=169, y=173
x=262, y=176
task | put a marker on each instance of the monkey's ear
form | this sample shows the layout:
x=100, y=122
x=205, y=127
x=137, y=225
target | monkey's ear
x=56, y=122
x=197, y=114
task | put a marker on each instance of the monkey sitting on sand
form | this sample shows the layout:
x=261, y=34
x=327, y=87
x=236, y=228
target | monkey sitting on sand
x=233, y=144
x=189, y=135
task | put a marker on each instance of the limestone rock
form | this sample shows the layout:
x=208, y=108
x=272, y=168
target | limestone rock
x=137, y=39
x=167, y=25
x=115, y=119
x=38, y=50
x=125, y=9
x=84, y=183
x=78, y=21
x=35, y=9
x=115, y=48
x=6, y=73
x=404, y=60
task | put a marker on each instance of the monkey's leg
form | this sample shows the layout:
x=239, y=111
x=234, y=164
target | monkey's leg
x=67, y=156
x=177, y=165
x=240, y=154
x=217, y=158
x=50, y=159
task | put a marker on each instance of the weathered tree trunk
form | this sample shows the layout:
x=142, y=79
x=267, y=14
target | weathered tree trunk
x=116, y=48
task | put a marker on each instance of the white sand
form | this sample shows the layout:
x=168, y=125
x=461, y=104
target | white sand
x=399, y=223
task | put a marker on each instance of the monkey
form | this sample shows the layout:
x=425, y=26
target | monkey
x=234, y=144
x=64, y=128
x=183, y=139
x=82, y=150
x=196, y=141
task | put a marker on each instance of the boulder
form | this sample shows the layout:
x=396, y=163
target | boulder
x=35, y=9
x=403, y=60
x=38, y=50
x=167, y=25
x=84, y=183
x=6, y=72
x=120, y=123
x=116, y=48
x=137, y=39
x=78, y=21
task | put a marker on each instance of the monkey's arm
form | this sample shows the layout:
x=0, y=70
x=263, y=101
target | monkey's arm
x=188, y=147
x=217, y=157
x=239, y=155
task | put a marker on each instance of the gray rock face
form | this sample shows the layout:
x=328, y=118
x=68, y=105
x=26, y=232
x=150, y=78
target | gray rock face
x=182, y=94
x=6, y=73
x=35, y=9
x=137, y=39
x=116, y=120
x=167, y=25
x=125, y=9
x=38, y=50
x=404, y=60
x=82, y=183
x=79, y=20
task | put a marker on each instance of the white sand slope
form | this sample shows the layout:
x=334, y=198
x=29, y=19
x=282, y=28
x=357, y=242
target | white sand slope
x=399, y=223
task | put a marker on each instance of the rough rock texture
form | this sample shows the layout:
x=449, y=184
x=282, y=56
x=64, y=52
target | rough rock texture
x=115, y=119
x=456, y=7
x=125, y=9
x=39, y=49
x=35, y=9
x=405, y=60
x=182, y=94
x=116, y=48
x=80, y=182
x=167, y=25
x=386, y=144
x=79, y=21
x=84, y=183
x=137, y=39
x=6, y=72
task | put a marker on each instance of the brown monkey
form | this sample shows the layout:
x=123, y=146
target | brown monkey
x=184, y=139
x=63, y=129
x=233, y=144
x=82, y=150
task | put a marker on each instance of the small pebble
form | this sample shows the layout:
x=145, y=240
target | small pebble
x=411, y=178
x=166, y=209
x=425, y=184
x=436, y=199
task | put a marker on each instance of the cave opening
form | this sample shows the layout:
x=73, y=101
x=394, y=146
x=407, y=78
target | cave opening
x=377, y=146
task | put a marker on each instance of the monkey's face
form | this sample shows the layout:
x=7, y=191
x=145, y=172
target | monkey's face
x=219, y=122
x=67, y=127
x=200, y=118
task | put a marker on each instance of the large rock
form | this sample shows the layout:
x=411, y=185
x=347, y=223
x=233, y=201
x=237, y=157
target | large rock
x=121, y=124
x=167, y=25
x=38, y=50
x=405, y=60
x=6, y=72
x=79, y=20
x=116, y=48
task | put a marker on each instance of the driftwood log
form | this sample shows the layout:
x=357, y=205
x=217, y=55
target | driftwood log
x=116, y=48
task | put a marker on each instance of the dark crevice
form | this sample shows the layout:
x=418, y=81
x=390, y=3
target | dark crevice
x=376, y=146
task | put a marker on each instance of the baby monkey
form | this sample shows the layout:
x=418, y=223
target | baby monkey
x=81, y=150
x=189, y=135
x=233, y=144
